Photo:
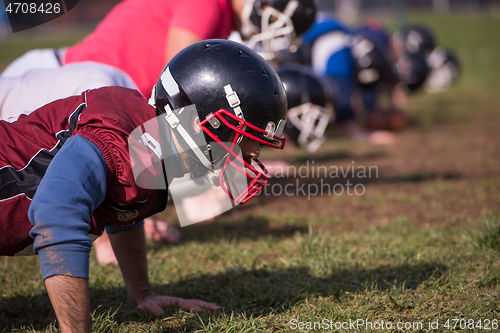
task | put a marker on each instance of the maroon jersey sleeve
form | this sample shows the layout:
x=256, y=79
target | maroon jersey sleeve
x=104, y=116
x=109, y=119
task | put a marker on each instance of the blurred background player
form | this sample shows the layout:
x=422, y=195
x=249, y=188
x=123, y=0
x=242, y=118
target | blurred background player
x=358, y=64
x=310, y=106
x=422, y=63
x=137, y=42
x=412, y=70
x=383, y=102
x=413, y=38
x=271, y=26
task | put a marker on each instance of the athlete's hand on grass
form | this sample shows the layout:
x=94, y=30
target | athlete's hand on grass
x=156, y=304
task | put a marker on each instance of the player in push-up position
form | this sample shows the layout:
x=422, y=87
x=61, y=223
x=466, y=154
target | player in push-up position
x=131, y=46
x=93, y=162
x=138, y=37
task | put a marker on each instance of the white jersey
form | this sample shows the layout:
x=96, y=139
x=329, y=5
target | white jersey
x=37, y=87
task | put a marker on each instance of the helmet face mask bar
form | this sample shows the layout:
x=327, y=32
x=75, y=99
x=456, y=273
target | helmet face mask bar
x=444, y=70
x=270, y=27
x=311, y=121
x=310, y=101
x=257, y=179
x=277, y=33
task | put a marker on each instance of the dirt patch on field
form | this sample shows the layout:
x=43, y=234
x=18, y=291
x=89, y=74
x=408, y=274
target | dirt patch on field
x=439, y=175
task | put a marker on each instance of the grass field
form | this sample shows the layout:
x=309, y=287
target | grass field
x=419, y=249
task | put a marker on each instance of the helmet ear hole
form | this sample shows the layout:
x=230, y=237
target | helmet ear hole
x=196, y=124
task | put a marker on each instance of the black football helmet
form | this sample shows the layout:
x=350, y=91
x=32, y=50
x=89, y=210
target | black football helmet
x=372, y=64
x=444, y=70
x=310, y=105
x=412, y=70
x=273, y=25
x=415, y=38
x=301, y=56
x=236, y=94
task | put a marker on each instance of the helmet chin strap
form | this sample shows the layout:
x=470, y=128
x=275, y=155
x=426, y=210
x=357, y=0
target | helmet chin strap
x=179, y=130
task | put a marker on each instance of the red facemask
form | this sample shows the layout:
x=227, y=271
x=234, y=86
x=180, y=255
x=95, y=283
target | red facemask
x=255, y=173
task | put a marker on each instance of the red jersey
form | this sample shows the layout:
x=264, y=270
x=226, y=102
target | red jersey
x=133, y=36
x=104, y=116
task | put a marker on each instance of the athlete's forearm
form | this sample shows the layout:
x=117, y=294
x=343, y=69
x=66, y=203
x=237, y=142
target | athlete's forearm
x=130, y=251
x=71, y=301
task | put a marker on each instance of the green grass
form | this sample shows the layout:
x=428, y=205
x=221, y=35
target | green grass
x=392, y=273
x=423, y=244
x=486, y=234
x=17, y=44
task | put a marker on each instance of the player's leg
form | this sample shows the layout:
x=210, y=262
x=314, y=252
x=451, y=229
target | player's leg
x=44, y=85
x=34, y=59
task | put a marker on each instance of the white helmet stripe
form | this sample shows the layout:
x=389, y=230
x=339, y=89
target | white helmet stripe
x=168, y=82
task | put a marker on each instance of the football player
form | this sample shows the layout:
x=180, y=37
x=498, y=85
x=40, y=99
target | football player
x=271, y=26
x=105, y=159
x=310, y=106
x=413, y=38
x=136, y=39
x=132, y=44
x=358, y=64
x=421, y=61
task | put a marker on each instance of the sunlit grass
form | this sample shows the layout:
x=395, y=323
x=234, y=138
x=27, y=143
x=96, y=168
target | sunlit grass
x=422, y=245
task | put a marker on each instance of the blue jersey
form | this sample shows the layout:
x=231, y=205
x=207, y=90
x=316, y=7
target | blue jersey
x=329, y=40
x=330, y=43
